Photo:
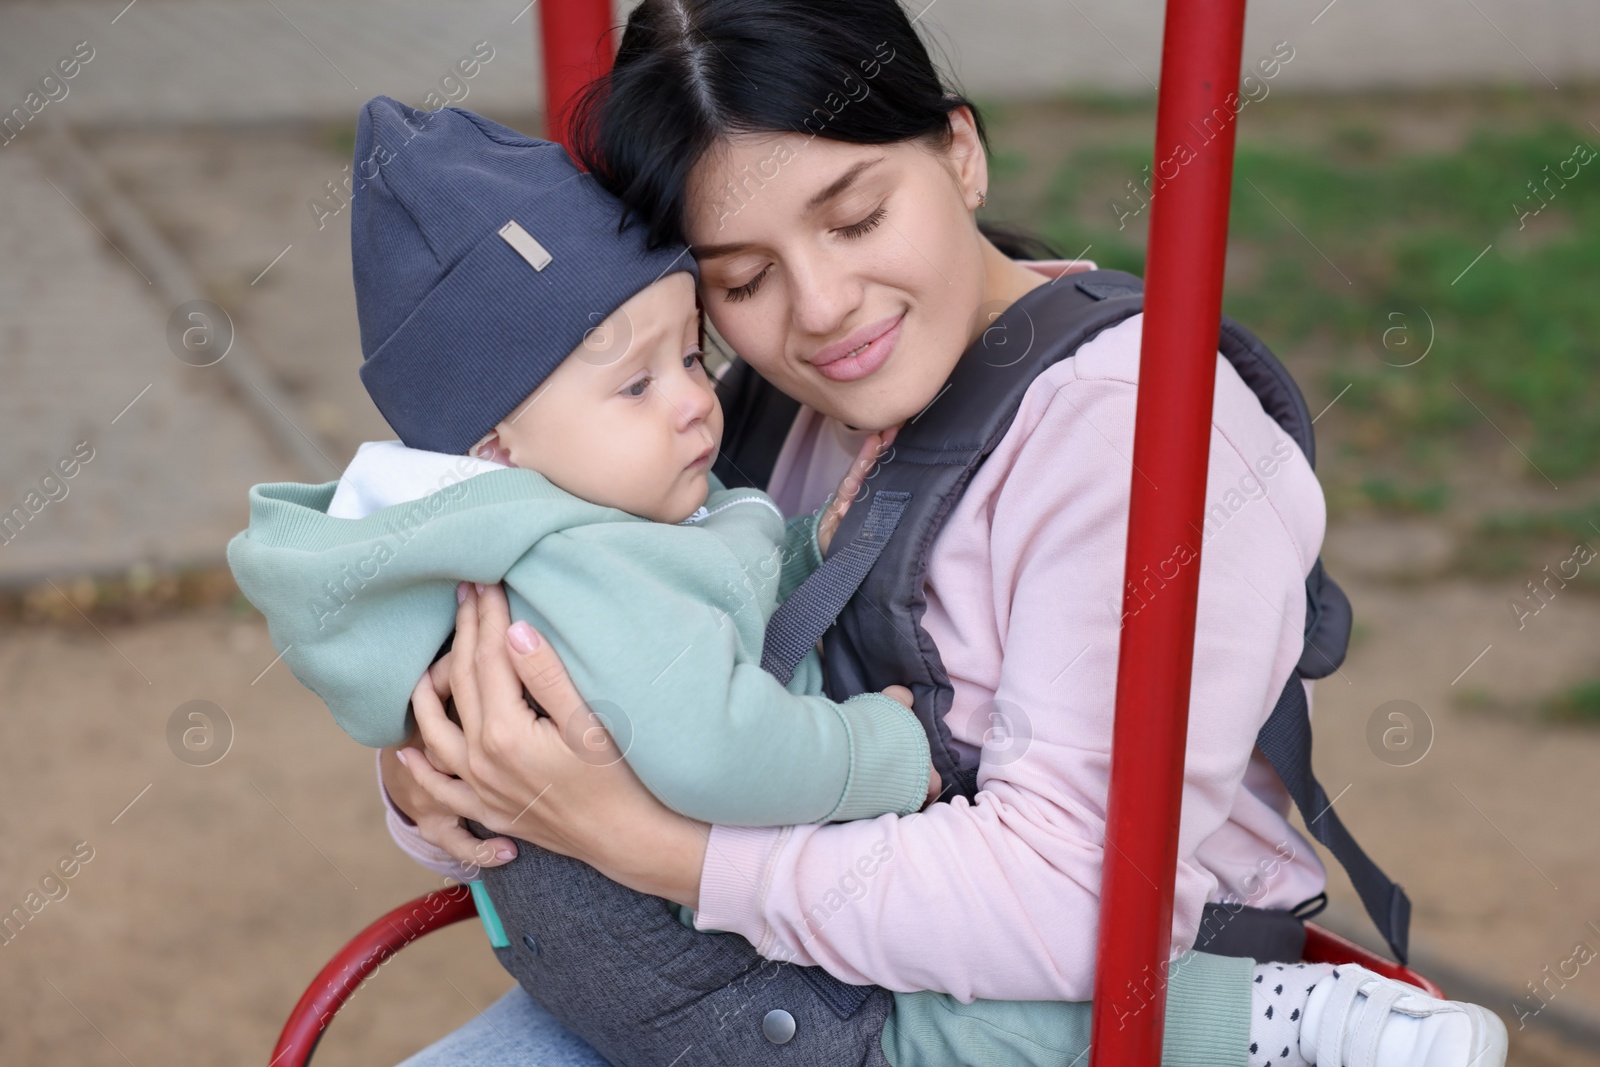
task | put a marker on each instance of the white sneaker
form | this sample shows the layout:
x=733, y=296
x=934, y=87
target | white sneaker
x=1356, y=1018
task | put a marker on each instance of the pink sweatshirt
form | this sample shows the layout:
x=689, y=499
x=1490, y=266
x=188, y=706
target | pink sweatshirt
x=999, y=898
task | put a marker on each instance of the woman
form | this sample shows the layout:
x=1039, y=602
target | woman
x=828, y=187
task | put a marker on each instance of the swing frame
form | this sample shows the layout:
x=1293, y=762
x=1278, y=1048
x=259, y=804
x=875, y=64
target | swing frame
x=1201, y=46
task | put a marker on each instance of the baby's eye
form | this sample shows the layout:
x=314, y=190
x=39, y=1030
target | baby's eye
x=637, y=388
x=691, y=358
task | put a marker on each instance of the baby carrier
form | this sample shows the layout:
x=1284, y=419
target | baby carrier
x=866, y=602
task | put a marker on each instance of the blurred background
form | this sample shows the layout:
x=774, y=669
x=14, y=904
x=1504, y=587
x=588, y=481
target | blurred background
x=1415, y=230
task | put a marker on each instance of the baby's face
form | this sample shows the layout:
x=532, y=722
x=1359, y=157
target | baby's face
x=630, y=418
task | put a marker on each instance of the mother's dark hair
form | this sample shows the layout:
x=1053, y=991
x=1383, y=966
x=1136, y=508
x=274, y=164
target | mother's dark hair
x=692, y=72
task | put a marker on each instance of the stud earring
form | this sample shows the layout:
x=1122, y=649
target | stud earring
x=983, y=198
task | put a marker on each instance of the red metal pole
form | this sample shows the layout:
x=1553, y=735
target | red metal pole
x=577, y=48
x=1193, y=177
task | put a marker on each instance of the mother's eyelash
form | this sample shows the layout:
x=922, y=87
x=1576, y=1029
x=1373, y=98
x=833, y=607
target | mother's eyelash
x=854, y=230
x=866, y=225
x=748, y=289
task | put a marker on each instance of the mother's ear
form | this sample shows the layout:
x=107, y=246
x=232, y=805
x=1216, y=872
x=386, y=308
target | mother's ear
x=966, y=156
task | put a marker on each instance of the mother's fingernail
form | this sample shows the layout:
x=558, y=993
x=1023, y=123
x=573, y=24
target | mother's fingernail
x=524, y=638
x=506, y=854
x=400, y=754
x=461, y=592
x=479, y=587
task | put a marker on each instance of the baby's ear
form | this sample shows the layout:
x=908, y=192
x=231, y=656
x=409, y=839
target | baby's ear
x=492, y=450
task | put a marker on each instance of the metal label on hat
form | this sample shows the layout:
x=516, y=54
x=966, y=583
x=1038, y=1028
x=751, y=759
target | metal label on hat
x=529, y=249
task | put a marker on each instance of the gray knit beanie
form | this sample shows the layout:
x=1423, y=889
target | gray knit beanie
x=481, y=259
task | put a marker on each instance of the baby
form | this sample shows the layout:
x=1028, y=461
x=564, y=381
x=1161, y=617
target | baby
x=542, y=368
x=503, y=310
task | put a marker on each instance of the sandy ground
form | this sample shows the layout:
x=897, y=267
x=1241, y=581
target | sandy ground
x=215, y=892
x=212, y=899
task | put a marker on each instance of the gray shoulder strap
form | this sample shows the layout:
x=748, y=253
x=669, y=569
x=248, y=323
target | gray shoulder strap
x=879, y=639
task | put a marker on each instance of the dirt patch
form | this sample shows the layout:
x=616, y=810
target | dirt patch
x=213, y=898
x=214, y=893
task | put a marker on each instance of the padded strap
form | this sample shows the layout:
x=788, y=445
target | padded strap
x=794, y=630
x=800, y=621
x=1286, y=742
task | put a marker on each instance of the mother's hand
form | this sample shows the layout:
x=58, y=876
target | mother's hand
x=558, y=782
x=438, y=825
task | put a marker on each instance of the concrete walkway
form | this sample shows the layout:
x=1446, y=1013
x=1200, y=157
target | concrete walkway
x=83, y=334
x=247, y=60
x=266, y=60
x=160, y=453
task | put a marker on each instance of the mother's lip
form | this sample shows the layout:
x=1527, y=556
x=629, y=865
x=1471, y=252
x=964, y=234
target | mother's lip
x=858, y=339
x=865, y=361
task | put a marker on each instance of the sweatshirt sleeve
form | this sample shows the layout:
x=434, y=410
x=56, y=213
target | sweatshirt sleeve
x=1011, y=881
x=649, y=635
x=410, y=840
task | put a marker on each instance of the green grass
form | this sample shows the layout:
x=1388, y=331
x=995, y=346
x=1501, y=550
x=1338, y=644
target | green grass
x=1581, y=703
x=1512, y=542
x=1389, y=497
x=1386, y=237
x=1573, y=524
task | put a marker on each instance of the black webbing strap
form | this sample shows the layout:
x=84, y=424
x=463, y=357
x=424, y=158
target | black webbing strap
x=800, y=621
x=794, y=630
x=842, y=998
x=1286, y=742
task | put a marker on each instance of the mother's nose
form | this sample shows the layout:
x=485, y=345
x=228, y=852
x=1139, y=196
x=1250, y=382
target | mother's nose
x=823, y=292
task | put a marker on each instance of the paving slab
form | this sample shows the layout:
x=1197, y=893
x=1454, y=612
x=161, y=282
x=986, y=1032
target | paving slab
x=255, y=60
x=159, y=453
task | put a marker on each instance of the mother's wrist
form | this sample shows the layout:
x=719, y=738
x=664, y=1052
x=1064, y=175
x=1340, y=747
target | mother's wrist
x=663, y=859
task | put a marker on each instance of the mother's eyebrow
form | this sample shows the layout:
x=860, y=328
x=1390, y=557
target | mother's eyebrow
x=843, y=182
x=834, y=189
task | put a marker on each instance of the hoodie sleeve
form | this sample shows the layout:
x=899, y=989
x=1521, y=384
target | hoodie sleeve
x=660, y=626
x=801, y=554
x=359, y=608
x=656, y=630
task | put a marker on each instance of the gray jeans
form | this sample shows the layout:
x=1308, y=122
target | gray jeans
x=617, y=968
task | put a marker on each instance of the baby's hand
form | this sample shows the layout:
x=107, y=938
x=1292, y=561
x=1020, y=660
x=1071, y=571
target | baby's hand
x=858, y=473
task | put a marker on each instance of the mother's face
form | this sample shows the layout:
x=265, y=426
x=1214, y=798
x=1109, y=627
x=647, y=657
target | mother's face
x=849, y=275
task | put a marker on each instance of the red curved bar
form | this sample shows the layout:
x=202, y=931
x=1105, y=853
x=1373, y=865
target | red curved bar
x=1325, y=946
x=365, y=953
x=1193, y=175
x=577, y=48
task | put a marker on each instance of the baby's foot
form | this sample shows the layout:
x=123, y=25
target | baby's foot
x=1355, y=1018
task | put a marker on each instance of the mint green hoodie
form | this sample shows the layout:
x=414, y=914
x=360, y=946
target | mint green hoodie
x=660, y=626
